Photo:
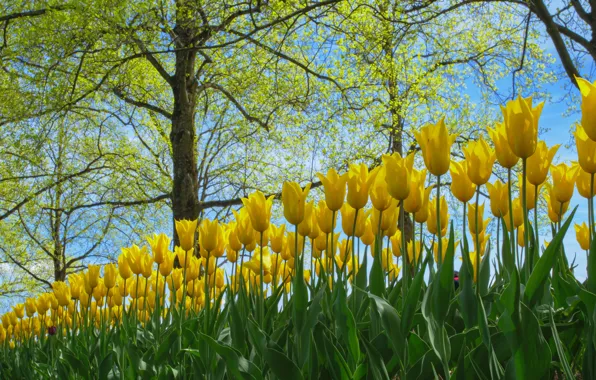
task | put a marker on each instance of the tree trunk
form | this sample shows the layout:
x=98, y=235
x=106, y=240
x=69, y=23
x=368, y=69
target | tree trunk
x=185, y=191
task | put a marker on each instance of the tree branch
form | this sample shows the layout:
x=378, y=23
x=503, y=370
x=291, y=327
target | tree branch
x=145, y=105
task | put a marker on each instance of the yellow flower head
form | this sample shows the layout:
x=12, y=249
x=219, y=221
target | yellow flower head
x=186, y=230
x=422, y=215
x=582, y=234
x=378, y=191
x=505, y=155
x=368, y=238
x=583, y=183
x=435, y=142
x=347, y=221
x=335, y=188
x=521, y=123
x=93, y=275
x=210, y=234
x=123, y=266
x=305, y=227
x=159, y=246
x=518, y=216
x=480, y=159
x=556, y=209
x=414, y=201
x=324, y=217
x=61, y=292
x=19, y=310
x=398, y=174
x=586, y=149
x=110, y=273
x=588, y=91
x=294, y=200
x=538, y=164
x=461, y=186
x=359, y=181
x=259, y=210
x=165, y=268
x=499, y=201
x=432, y=217
x=482, y=224
x=563, y=181
x=277, y=234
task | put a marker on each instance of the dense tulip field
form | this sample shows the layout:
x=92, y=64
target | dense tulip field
x=339, y=291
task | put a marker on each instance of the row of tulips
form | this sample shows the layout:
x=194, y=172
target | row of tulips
x=239, y=300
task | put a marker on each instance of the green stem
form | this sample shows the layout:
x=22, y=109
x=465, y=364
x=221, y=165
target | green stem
x=262, y=297
x=438, y=212
x=477, y=258
x=525, y=211
x=512, y=228
x=207, y=295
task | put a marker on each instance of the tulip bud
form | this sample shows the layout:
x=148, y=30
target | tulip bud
x=293, y=199
x=521, y=122
x=335, y=189
x=435, y=142
x=186, y=230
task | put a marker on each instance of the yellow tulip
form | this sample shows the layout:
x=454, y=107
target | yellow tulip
x=482, y=239
x=586, y=149
x=292, y=244
x=259, y=210
x=563, y=181
x=243, y=228
x=530, y=192
x=368, y=238
x=499, y=201
x=431, y=224
x=435, y=142
x=123, y=267
x=61, y=292
x=347, y=221
x=30, y=307
x=538, y=164
x=556, y=209
x=474, y=266
x=379, y=194
x=521, y=123
x=345, y=252
x=186, y=230
x=583, y=183
x=482, y=224
x=146, y=265
x=388, y=218
x=305, y=227
x=505, y=155
x=276, y=235
x=480, y=159
x=335, y=188
x=254, y=264
x=165, y=269
x=210, y=234
x=422, y=215
x=359, y=182
x=461, y=186
x=294, y=199
x=233, y=242
x=315, y=231
x=110, y=273
x=398, y=171
x=77, y=284
x=582, y=234
x=324, y=217
x=518, y=216
x=159, y=246
x=93, y=275
x=588, y=120
x=396, y=242
x=415, y=200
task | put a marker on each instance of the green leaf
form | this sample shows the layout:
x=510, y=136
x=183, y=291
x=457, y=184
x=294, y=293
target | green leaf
x=390, y=321
x=281, y=365
x=376, y=365
x=411, y=302
x=545, y=264
x=344, y=320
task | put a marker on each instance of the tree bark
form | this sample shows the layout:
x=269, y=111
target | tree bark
x=185, y=191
